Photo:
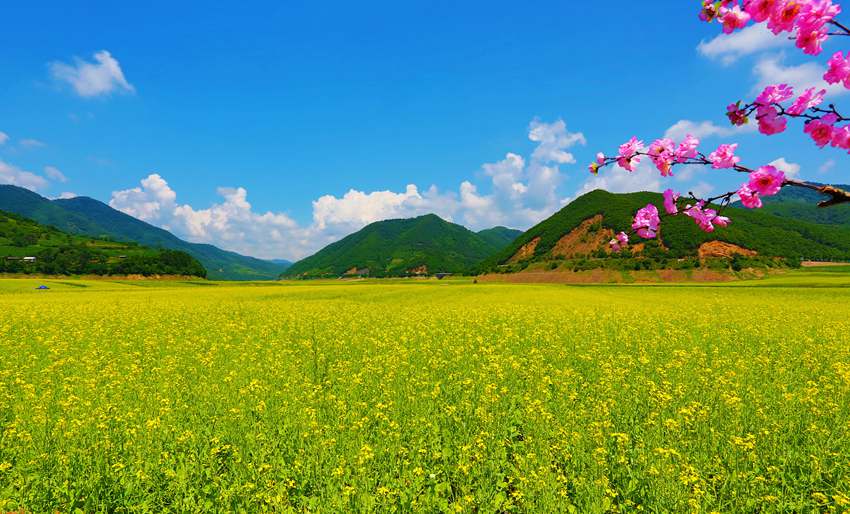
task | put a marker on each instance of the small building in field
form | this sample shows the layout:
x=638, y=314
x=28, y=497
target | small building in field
x=441, y=276
x=30, y=259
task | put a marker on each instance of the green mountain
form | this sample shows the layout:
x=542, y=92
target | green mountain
x=423, y=245
x=500, y=237
x=802, y=205
x=89, y=217
x=29, y=247
x=580, y=232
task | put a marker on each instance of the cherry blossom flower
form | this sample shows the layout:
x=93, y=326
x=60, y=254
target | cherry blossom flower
x=811, y=41
x=766, y=181
x=619, y=242
x=806, y=101
x=626, y=158
x=600, y=161
x=784, y=16
x=687, y=149
x=709, y=11
x=759, y=10
x=815, y=14
x=733, y=19
x=841, y=137
x=706, y=218
x=770, y=122
x=662, y=152
x=670, y=199
x=749, y=198
x=724, y=157
x=775, y=94
x=821, y=130
x=839, y=69
x=736, y=115
x=646, y=222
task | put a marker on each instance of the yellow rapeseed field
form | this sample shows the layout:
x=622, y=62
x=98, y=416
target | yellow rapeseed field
x=423, y=396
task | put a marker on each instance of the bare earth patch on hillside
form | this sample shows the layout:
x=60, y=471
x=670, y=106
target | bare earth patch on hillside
x=525, y=252
x=723, y=250
x=582, y=240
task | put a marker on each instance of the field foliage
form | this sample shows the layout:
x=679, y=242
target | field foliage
x=431, y=396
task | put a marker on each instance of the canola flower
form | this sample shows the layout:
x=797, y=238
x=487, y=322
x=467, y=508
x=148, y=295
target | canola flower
x=424, y=397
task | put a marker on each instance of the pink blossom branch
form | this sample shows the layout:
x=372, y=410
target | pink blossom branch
x=836, y=195
x=750, y=108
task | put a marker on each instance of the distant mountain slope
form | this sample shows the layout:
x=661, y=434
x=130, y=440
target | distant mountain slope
x=500, y=236
x=427, y=244
x=801, y=204
x=583, y=227
x=30, y=247
x=86, y=216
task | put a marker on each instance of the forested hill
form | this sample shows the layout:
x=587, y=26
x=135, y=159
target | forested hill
x=416, y=246
x=500, y=237
x=92, y=218
x=29, y=247
x=582, y=229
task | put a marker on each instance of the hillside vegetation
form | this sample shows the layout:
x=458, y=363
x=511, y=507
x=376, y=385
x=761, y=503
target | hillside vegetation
x=89, y=217
x=29, y=247
x=417, y=246
x=802, y=205
x=500, y=237
x=767, y=235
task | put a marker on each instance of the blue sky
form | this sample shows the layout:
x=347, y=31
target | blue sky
x=324, y=113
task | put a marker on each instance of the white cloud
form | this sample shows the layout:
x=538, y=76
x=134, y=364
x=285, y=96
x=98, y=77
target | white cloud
x=67, y=195
x=520, y=193
x=617, y=180
x=772, y=70
x=53, y=173
x=701, y=189
x=90, y=79
x=10, y=174
x=753, y=39
x=704, y=129
x=3, y=138
x=792, y=170
x=32, y=143
x=553, y=139
x=231, y=223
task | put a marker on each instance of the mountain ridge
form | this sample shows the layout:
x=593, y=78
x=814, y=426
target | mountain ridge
x=761, y=232
x=27, y=246
x=399, y=247
x=90, y=217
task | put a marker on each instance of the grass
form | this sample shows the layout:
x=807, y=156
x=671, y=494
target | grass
x=425, y=396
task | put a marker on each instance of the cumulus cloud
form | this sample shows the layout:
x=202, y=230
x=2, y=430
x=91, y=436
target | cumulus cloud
x=230, y=223
x=101, y=77
x=53, y=173
x=704, y=130
x=520, y=192
x=13, y=175
x=67, y=195
x=771, y=69
x=729, y=48
x=792, y=170
x=616, y=180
